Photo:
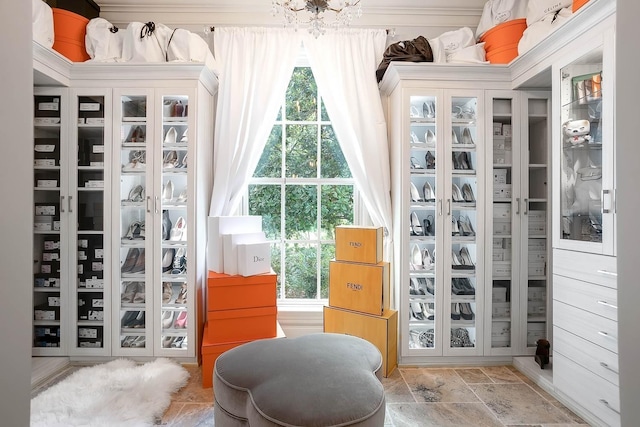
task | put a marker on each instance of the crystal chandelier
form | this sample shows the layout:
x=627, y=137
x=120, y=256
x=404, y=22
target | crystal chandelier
x=345, y=11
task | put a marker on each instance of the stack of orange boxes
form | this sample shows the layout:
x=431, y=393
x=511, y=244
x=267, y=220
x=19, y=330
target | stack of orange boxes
x=239, y=310
x=359, y=292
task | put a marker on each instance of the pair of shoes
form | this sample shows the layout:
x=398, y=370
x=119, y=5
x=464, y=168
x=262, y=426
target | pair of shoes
x=137, y=160
x=427, y=191
x=416, y=258
x=181, y=320
x=136, y=194
x=136, y=231
x=415, y=225
x=428, y=226
x=428, y=110
x=167, y=318
x=421, y=339
x=140, y=341
x=428, y=262
x=179, y=262
x=466, y=229
x=134, y=263
x=170, y=159
x=166, y=225
x=467, y=193
x=415, y=196
x=167, y=259
x=414, y=287
x=430, y=159
x=167, y=191
x=179, y=230
x=182, y=296
x=462, y=309
x=133, y=319
x=463, y=112
x=182, y=197
x=414, y=138
x=461, y=161
x=462, y=286
x=136, y=134
x=167, y=292
x=416, y=311
x=427, y=284
x=134, y=292
x=463, y=261
x=466, y=136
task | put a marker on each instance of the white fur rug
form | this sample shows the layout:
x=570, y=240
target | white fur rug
x=117, y=393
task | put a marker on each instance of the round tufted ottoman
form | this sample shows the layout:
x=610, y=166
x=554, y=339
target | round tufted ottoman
x=313, y=380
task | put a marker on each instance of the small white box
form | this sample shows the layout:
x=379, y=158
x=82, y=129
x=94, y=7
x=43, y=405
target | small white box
x=502, y=191
x=56, y=225
x=94, y=184
x=50, y=256
x=53, y=301
x=536, y=294
x=501, y=157
x=82, y=256
x=537, y=257
x=97, y=266
x=537, y=245
x=44, y=162
x=44, y=148
x=89, y=106
x=42, y=226
x=499, y=176
x=506, y=130
x=49, y=210
x=95, y=315
x=95, y=120
x=48, y=106
x=220, y=225
x=230, y=244
x=46, y=120
x=497, y=128
x=98, y=254
x=80, y=120
x=87, y=333
x=537, y=269
x=498, y=342
x=500, y=329
x=47, y=183
x=501, y=269
x=499, y=294
x=97, y=302
x=498, y=255
x=254, y=258
x=537, y=216
x=498, y=244
x=501, y=309
x=502, y=210
x=501, y=227
x=536, y=308
x=50, y=245
x=98, y=148
x=537, y=228
x=94, y=283
x=44, y=315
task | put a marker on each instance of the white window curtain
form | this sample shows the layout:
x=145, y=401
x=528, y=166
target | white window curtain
x=344, y=65
x=256, y=66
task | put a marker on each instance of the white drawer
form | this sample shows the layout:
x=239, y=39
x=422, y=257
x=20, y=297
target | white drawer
x=596, y=299
x=601, y=362
x=599, y=330
x=599, y=269
x=594, y=394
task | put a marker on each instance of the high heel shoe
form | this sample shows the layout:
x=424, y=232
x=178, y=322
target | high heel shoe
x=414, y=113
x=181, y=320
x=456, y=263
x=416, y=258
x=129, y=292
x=427, y=284
x=415, y=164
x=171, y=136
x=467, y=193
x=414, y=138
x=431, y=160
x=455, y=230
x=455, y=161
x=428, y=310
x=425, y=110
x=465, y=284
x=130, y=261
x=170, y=159
x=456, y=194
x=178, y=342
x=167, y=191
x=429, y=137
x=167, y=292
x=427, y=191
x=167, y=260
x=455, y=314
x=166, y=225
x=135, y=135
x=182, y=197
x=414, y=288
x=466, y=137
x=415, y=196
x=134, y=231
x=167, y=319
x=139, y=265
x=457, y=288
x=465, y=311
x=465, y=161
x=467, y=264
x=416, y=226
x=466, y=228
x=427, y=260
x=179, y=230
x=167, y=340
x=140, y=295
x=416, y=311
x=427, y=226
x=184, y=138
x=136, y=194
x=139, y=342
x=454, y=137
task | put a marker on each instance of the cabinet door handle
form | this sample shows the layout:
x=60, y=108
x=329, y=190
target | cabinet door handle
x=526, y=206
x=148, y=204
x=440, y=207
x=605, y=403
x=607, y=304
x=517, y=205
x=609, y=368
x=61, y=203
x=605, y=193
x=70, y=204
x=155, y=205
x=448, y=207
x=607, y=273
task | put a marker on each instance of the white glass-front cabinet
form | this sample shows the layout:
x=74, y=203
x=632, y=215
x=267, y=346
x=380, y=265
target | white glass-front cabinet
x=585, y=220
x=518, y=193
x=438, y=170
x=155, y=303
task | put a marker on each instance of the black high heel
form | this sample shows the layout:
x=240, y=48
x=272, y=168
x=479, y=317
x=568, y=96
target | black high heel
x=466, y=229
x=428, y=225
x=465, y=311
x=455, y=314
x=430, y=159
x=130, y=261
x=467, y=264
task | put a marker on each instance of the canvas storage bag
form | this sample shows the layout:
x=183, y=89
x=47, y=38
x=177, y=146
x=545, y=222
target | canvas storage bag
x=498, y=11
x=447, y=44
x=42, y=19
x=538, y=9
x=103, y=41
x=539, y=30
x=146, y=42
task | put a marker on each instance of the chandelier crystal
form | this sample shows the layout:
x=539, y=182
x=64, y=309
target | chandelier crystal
x=345, y=11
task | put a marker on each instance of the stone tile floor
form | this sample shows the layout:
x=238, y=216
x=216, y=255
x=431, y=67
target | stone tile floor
x=470, y=396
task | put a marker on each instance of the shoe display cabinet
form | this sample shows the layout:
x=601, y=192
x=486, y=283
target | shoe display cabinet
x=71, y=226
x=122, y=182
x=585, y=300
x=518, y=231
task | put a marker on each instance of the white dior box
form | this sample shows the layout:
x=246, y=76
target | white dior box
x=506, y=130
x=537, y=256
x=48, y=106
x=254, y=258
x=499, y=176
x=87, y=333
x=47, y=183
x=536, y=308
x=44, y=148
x=537, y=228
x=537, y=215
x=94, y=184
x=53, y=301
x=44, y=162
x=537, y=245
x=89, y=106
x=501, y=255
x=220, y=225
x=497, y=128
x=46, y=120
x=95, y=120
x=502, y=210
x=501, y=191
x=497, y=244
x=94, y=283
x=230, y=246
x=95, y=315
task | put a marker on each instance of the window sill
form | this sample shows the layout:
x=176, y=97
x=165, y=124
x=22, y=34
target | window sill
x=302, y=318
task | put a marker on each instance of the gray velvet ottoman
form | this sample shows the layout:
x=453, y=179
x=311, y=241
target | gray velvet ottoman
x=314, y=380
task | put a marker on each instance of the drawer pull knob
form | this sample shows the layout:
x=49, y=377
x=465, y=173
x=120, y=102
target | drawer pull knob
x=605, y=334
x=609, y=368
x=607, y=304
x=608, y=273
x=605, y=403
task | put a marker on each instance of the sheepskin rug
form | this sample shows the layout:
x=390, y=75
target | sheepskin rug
x=117, y=393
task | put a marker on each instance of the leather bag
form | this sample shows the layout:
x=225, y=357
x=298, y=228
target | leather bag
x=416, y=50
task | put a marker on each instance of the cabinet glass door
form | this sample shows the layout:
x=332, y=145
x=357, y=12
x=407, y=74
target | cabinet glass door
x=585, y=202
x=463, y=220
x=173, y=296
x=89, y=202
x=49, y=241
x=425, y=159
x=135, y=210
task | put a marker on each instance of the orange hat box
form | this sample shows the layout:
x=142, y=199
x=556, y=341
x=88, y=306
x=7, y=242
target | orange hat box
x=501, y=41
x=69, y=30
x=577, y=4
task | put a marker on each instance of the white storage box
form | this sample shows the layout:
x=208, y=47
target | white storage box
x=501, y=269
x=536, y=308
x=254, y=258
x=537, y=228
x=230, y=245
x=501, y=157
x=537, y=257
x=498, y=255
x=501, y=192
x=499, y=294
x=501, y=227
x=536, y=294
x=500, y=330
x=499, y=176
x=537, y=268
x=502, y=210
x=220, y=225
x=497, y=129
x=537, y=245
x=501, y=309
x=506, y=130
x=537, y=216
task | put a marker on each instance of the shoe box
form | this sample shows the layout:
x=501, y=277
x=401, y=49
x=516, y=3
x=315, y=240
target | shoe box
x=359, y=287
x=211, y=350
x=90, y=306
x=381, y=331
x=359, y=244
x=46, y=336
x=90, y=261
x=46, y=152
x=90, y=337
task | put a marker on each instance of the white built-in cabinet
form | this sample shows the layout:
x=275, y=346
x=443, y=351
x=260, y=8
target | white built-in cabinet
x=122, y=179
x=460, y=295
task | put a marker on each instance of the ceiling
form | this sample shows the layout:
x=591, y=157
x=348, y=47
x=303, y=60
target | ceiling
x=409, y=18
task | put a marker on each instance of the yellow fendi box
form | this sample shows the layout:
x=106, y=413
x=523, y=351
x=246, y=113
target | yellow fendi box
x=359, y=287
x=381, y=331
x=359, y=244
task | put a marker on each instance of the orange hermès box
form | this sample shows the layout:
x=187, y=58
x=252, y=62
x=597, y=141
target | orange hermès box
x=242, y=324
x=233, y=292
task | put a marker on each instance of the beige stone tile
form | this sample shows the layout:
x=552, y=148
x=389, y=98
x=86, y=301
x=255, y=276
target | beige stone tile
x=518, y=404
x=442, y=414
x=500, y=374
x=396, y=389
x=437, y=385
x=193, y=392
x=573, y=417
x=473, y=376
x=193, y=415
x=171, y=413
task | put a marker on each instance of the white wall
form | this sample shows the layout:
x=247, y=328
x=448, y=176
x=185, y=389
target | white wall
x=628, y=207
x=16, y=176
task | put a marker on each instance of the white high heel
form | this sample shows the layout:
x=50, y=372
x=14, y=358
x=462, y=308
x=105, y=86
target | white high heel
x=427, y=190
x=184, y=136
x=430, y=137
x=415, y=196
x=416, y=258
x=416, y=227
x=171, y=136
x=466, y=137
x=427, y=260
x=179, y=230
x=454, y=137
x=167, y=191
x=456, y=193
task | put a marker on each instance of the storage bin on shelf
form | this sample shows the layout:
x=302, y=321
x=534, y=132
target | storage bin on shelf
x=69, y=30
